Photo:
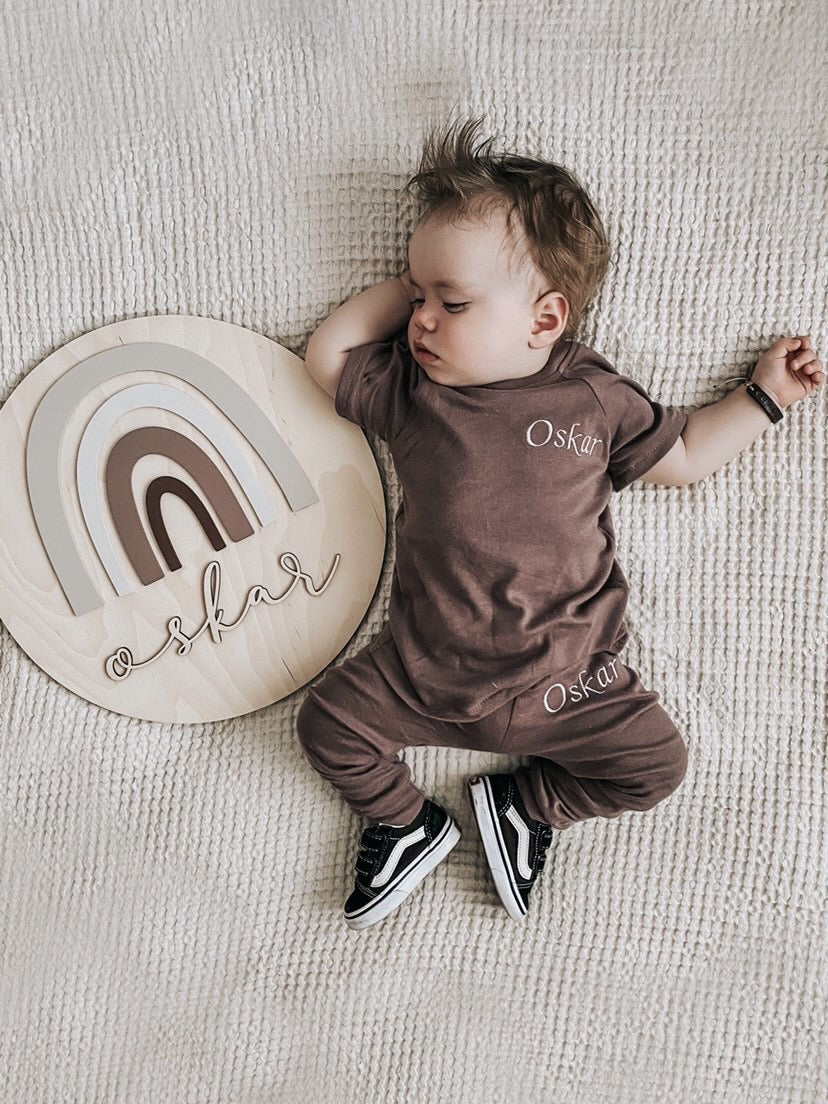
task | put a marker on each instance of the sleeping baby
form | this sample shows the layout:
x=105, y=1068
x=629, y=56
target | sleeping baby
x=506, y=617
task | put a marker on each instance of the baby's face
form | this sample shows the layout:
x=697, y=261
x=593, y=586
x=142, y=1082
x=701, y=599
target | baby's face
x=495, y=322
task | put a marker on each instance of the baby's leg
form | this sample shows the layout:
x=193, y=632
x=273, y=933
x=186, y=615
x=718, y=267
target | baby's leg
x=352, y=726
x=601, y=745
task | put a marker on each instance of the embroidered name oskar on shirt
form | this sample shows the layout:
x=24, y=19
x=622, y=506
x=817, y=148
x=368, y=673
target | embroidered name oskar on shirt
x=541, y=433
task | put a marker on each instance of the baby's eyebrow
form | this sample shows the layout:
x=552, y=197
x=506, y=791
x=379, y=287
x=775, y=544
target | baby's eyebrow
x=449, y=284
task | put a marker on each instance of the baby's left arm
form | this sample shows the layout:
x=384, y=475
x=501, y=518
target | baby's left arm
x=788, y=371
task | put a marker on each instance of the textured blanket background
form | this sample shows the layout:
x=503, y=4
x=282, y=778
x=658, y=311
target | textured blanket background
x=170, y=896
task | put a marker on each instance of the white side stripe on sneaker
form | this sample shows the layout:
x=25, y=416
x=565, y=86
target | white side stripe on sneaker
x=393, y=859
x=523, y=842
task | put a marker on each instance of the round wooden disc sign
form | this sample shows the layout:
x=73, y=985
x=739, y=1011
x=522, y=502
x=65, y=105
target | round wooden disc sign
x=190, y=532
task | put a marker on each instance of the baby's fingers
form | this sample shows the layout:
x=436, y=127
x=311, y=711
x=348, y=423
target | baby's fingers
x=811, y=366
x=815, y=370
x=802, y=359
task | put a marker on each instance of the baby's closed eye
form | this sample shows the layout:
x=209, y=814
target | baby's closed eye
x=452, y=308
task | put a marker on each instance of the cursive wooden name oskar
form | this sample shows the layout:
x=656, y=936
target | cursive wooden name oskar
x=121, y=663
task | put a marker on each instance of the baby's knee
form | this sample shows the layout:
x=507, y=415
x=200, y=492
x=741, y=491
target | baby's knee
x=663, y=776
x=312, y=725
x=330, y=739
x=679, y=761
x=672, y=769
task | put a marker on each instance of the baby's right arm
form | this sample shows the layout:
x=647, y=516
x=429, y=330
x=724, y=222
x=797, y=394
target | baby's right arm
x=372, y=315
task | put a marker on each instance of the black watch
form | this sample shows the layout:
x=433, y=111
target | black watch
x=764, y=400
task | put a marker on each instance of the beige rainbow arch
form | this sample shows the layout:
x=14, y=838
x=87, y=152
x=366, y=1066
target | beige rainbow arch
x=43, y=450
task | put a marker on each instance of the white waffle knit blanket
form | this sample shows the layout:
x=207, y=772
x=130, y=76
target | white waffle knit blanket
x=171, y=926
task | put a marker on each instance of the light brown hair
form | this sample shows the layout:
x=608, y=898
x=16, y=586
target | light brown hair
x=563, y=234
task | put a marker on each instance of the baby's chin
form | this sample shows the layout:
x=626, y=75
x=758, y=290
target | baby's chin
x=440, y=372
x=446, y=375
x=436, y=372
x=429, y=366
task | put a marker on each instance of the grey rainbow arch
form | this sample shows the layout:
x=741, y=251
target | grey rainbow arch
x=48, y=427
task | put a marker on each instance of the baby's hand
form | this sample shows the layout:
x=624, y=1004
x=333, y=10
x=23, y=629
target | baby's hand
x=789, y=370
x=405, y=280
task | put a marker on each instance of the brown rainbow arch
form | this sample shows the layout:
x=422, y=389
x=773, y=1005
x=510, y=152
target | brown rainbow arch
x=51, y=417
x=169, y=484
x=122, y=459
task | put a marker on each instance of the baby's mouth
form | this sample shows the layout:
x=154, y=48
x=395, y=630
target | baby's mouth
x=426, y=354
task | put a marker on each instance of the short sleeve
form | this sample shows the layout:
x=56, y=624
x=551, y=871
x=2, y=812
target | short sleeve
x=376, y=385
x=641, y=430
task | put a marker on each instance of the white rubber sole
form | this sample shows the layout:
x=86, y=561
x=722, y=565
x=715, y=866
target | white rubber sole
x=482, y=799
x=396, y=893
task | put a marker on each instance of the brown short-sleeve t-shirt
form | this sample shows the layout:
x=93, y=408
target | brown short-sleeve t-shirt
x=505, y=564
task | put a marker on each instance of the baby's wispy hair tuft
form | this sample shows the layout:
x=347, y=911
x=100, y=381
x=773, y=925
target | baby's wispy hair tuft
x=462, y=179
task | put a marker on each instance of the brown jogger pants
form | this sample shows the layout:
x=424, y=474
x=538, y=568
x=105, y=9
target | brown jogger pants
x=599, y=742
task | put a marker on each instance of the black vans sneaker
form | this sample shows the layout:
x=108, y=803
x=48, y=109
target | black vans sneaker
x=514, y=843
x=392, y=861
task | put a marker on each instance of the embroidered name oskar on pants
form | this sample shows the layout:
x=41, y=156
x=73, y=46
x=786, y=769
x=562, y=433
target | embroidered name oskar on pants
x=556, y=697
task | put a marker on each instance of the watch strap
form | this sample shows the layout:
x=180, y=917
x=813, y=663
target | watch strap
x=764, y=400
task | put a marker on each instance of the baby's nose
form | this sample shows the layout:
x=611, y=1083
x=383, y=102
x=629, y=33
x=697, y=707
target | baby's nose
x=424, y=317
